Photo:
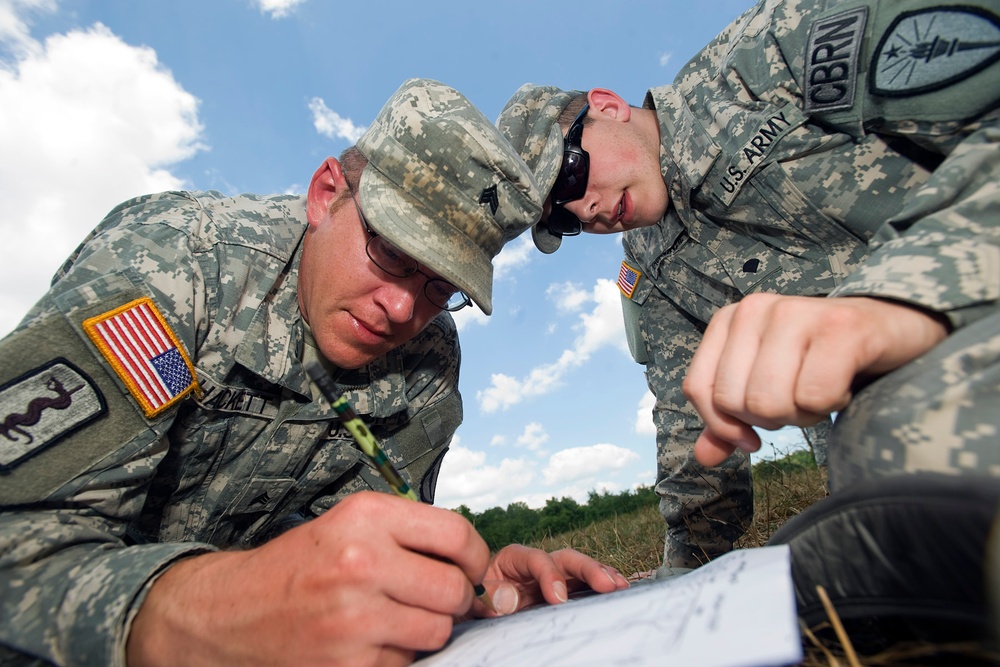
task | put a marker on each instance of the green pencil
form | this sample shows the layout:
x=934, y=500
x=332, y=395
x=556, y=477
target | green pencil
x=370, y=446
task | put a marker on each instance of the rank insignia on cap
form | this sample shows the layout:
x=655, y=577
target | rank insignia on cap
x=933, y=48
x=145, y=353
x=628, y=278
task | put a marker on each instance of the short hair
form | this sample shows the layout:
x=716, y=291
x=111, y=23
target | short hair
x=352, y=162
x=571, y=110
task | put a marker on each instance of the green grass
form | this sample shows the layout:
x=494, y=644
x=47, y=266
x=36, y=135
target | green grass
x=634, y=542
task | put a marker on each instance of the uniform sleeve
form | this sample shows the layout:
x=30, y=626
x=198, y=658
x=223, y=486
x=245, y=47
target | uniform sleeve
x=942, y=252
x=78, y=448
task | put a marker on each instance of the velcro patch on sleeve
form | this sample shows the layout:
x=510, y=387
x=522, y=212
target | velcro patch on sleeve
x=934, y=48
x=628, y=278
x=138, y=343
x=42, y=406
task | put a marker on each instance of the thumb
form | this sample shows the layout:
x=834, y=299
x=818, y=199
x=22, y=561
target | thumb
x=505, y=597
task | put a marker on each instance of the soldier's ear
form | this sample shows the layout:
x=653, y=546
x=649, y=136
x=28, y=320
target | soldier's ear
x=327, y=183
x=609, y=104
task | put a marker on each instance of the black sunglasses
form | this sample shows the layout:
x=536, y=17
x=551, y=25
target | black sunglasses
x=571, y=183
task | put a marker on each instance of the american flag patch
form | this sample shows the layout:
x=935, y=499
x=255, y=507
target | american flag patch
x=628, y=278
x=145, y=353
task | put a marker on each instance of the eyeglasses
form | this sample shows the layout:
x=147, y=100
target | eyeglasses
x=571, y=183
x=396, y=263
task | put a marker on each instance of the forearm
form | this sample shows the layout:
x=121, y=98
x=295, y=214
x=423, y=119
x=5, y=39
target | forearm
x=68, y=587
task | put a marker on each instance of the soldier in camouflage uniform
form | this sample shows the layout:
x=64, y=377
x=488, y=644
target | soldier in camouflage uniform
x=162, y=449
x=812, y=149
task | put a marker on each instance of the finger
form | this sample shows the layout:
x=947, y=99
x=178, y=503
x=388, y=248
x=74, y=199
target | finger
x=582, y=571
x=700, y=384
x=417, y=554
x=505, y=598
x=699, y=381
x=356, y=615
x=830, y=365
x=747, y=325
x=419, y=580
x=770, y=392
x=710, y=450
x=411, y=629
x=544, y=577
x=446, y=535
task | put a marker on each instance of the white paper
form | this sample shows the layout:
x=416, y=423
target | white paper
x=737, y=611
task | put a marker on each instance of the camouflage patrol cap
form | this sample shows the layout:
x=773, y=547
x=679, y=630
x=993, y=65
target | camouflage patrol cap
x=529, y=121
x=443, y=185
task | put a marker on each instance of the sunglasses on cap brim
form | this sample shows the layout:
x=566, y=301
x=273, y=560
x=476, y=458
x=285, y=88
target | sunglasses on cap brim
x=562, y=223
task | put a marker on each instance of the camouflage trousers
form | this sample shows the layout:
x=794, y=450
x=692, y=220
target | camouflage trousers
x=940, y=413
x=706, y=509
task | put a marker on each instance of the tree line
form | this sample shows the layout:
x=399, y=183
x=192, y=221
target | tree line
x=519, y=523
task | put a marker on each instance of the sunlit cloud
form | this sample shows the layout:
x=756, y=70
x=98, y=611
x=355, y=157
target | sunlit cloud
x=515, y=255
x=568, y=297
x=644, y=415
x=65, y=121
x=331, y=124
x=665, y=59
x=15, y=21
x=533, y=437
x=278, y=9
x=574, y=463
x=467, y=479
x=600, y=327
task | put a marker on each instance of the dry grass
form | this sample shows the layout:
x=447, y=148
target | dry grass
x=633, y=544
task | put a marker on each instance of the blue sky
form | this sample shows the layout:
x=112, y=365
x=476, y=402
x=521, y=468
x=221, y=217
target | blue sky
x=101, y=101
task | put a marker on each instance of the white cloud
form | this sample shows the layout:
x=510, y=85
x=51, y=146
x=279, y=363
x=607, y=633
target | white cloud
x=469, y=316
x=466, y=479
x=576, y=463
x=568, y=297
x=514, y=255
x=597, y=329
x=86, y=121
x=665, y=58
x=278, y=8
x=644, y=415
x=533, y=437
x=331, y=125
x=14, y=26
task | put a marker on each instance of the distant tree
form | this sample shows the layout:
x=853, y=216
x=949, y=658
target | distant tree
x=522, y=522
x=559, y=516
x=492, y=525
x=519, y=523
